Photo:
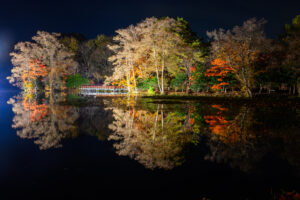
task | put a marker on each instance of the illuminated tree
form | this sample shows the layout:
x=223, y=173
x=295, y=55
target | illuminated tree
x=35, y=70
x=219, y=69
x=126, y=55
x=50, y=53
x=240, y=48
x=160, y=42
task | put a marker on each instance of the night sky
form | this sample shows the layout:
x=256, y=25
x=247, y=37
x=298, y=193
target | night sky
x=19, y=20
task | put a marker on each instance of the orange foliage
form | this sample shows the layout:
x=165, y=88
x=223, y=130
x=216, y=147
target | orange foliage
x=219, y=69
x=217, y=124
x=290, y=196
x=221, y=127
x=192, y=121
x=192, y=69
x=37, y=112
x=219, y=107
x=35, y=70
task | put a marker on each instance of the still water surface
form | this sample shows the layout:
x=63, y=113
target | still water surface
x=209, y=148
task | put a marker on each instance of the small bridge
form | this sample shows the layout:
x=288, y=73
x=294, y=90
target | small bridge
x=94, y=90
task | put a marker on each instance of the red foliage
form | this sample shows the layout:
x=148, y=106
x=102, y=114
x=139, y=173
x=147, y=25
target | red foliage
x=219, y=69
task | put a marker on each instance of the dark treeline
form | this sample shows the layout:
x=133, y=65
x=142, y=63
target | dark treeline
x=163, y=56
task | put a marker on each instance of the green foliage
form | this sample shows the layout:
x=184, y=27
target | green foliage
x=186, y=33
x=145, y=84
x=191, y=38
x=230, y=78
x=291, y=28
x=73, y=44
x=72, y=97
x=179, y=81
x=150, y=91
x=76, y=80
x=199, y=80
x=70, y=42
x=100, y=40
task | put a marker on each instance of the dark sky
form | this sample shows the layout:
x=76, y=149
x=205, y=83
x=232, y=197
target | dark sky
x=19, y=20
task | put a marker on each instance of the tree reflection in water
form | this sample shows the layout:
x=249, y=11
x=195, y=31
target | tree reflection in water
x=161, y=134
x=231, y=140
x=46, y=123
x=155, y=138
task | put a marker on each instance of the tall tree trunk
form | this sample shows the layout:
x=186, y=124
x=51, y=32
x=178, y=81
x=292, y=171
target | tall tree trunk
x=187, y=124
x=155, y=125
x=242, y=123
x=157, y=72
x=249, y=92
x=51, y=77
x=188, y=68
x=162, y=74
x=162, y=121
x=128, y=82
x=188, y=85
x=134, y=81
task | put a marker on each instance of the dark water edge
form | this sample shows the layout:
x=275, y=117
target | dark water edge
x=88, y=166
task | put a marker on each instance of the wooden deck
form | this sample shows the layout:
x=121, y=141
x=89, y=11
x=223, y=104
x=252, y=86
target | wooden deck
x=94, y=90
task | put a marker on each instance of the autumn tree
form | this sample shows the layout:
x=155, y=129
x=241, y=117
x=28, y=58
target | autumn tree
x=35, y=71
x=126, y=55
x=219, y=69
x=159, y=48
x=47, y=49
x=160, y=42
x=240, y=48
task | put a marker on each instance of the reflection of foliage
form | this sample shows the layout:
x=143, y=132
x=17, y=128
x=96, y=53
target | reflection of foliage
x=157, y=132
x=156, y=140
x=37, y=112
x=232, y=141
x=228, y=131
x=47, y=124
x=241, y=138
x=284, y=195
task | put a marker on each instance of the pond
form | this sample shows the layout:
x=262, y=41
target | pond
x=212, y=148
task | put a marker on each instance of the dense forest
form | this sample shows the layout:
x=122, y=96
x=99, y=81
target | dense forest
x=163, y=56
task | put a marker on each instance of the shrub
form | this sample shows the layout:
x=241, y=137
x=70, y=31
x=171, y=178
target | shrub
x=76, y=80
